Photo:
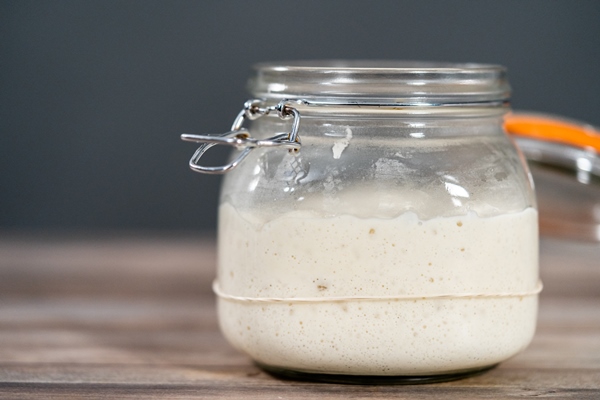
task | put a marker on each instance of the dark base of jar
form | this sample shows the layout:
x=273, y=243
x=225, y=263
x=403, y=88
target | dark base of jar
x=370, y=379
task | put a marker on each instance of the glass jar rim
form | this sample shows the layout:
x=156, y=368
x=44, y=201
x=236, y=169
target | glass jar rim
x=384, y=82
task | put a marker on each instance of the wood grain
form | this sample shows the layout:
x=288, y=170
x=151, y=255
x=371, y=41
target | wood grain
x=133, y=317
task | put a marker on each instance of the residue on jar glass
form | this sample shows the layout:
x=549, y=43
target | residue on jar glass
x=340, y=145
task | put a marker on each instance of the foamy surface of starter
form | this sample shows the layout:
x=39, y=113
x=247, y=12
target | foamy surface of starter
x=301, y=254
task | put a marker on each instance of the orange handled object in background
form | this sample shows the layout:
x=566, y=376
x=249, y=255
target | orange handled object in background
x=564, y=160
x=553, y=129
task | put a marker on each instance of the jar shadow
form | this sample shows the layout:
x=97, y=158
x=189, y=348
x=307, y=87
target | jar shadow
x=289, y=375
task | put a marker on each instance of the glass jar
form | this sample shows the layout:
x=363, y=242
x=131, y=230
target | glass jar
x=389, y=233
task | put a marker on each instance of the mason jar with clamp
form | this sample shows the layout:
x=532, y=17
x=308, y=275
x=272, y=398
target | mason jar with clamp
x=376, y=223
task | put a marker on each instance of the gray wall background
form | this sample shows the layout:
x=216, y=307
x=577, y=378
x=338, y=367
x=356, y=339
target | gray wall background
x=94, y=94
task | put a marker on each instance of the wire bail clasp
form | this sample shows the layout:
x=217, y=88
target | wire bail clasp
x=240, y=138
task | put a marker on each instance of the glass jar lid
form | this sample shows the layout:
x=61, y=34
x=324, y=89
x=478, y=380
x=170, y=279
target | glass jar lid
x=400, y=83
x=564, y=159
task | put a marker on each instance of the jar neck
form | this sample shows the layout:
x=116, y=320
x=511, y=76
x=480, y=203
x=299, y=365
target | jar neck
x=315, y=108
x=384, y=84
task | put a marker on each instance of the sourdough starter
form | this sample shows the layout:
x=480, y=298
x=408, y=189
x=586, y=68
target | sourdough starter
x=302, y=254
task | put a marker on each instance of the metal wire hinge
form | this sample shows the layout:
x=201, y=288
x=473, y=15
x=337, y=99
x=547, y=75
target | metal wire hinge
x=240, y=138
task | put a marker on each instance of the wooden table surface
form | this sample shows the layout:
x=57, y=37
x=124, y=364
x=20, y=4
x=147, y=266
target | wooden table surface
x=132, y=316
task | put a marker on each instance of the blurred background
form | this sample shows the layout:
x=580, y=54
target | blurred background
x=94, y=94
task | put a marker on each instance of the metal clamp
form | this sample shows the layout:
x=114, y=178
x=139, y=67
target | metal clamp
x=240, y=138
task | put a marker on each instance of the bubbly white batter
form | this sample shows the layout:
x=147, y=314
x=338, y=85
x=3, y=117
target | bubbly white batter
x=303, y=254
